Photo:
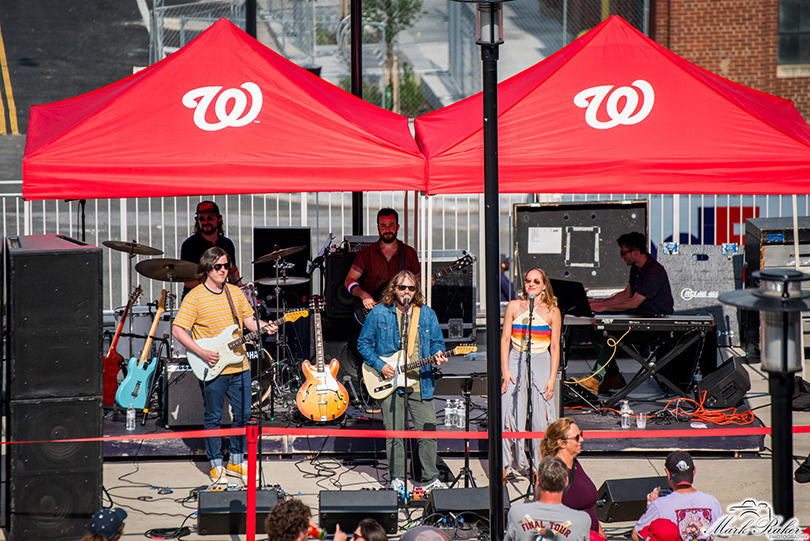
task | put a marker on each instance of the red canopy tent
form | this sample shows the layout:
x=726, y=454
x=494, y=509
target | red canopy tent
x=614, y=112
x=223, y=115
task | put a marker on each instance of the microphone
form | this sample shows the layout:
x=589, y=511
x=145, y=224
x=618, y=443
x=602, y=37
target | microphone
x=531, y=302
x=406, y=299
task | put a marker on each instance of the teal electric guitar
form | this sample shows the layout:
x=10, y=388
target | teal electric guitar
x=135, y=388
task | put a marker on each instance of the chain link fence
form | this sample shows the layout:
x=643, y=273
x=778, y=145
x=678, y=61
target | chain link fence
x=418, y=55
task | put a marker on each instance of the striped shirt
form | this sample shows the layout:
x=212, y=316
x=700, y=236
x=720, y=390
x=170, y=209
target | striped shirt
x=540, y=333
x=205, y=314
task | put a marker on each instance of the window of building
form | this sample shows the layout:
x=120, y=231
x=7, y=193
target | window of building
x=794, y=32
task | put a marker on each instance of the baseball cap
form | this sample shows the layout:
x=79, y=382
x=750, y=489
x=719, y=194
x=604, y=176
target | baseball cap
x=660, y=529
x=107, y=522
x=207, y=206
x=679, y=464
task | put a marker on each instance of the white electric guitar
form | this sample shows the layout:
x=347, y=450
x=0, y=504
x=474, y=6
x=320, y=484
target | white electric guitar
x=229, y=344
x=378, y=387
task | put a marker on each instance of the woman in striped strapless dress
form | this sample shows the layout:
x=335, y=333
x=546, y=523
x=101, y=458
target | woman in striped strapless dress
x=544, y=336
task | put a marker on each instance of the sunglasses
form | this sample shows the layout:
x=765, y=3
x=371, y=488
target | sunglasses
x=207, y=218
x=578, y=437
x=625, y=252
x=220, y=266
x=408, y=288
x=536, y=281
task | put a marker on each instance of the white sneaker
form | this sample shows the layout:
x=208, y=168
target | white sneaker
x=433, y=485
x=397, y=485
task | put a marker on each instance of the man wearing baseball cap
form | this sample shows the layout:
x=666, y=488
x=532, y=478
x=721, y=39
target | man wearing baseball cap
x=208, y=232
x=690, y=509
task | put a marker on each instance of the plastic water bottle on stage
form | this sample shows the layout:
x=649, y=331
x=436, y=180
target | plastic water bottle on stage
x=448, y=413
x=625, y=412
x=459, y=414
x=130, y=418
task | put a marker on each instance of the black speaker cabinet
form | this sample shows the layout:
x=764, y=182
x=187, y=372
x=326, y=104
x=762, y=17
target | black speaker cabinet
x=349, y=507
x=54, y=337
x=577, y=241
x=225, y=512
x=53, y=489
x=182, y=398
x=453, y=297
x=621, y=500
x=726, y=386
x=339, y=302
x=470, y=503
x=270, y=239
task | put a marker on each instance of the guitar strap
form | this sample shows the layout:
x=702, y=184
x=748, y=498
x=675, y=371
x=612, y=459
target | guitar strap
x=230, y=302
x=412, y=332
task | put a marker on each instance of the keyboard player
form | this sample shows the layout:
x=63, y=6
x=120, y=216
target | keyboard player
x=647, y=294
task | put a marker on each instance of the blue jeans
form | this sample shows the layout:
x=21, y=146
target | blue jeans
x=237, y=388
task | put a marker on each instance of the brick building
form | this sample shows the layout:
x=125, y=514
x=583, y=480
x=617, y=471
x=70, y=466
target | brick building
x=762, y=44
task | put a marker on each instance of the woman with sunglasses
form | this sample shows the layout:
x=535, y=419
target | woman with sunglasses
x=367, y=530
x=563, y=439
x=534, y=330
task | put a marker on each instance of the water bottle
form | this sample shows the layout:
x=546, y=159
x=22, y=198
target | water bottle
x=130, y=418
x=460, y=413
x=448, y=413
x=452, y=412
x=625, y=412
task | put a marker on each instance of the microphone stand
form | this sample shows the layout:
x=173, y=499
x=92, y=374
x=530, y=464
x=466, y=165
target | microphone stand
x=404, y=342
x=254, y=299
x=529, y=412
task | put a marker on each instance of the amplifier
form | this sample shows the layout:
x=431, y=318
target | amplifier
x=349, y=507
x=182, y=397
x=225, y=511
x=621, y=500
x=355, y=243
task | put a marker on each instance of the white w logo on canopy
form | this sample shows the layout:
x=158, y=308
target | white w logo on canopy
x=206, y=95
x=625, y=116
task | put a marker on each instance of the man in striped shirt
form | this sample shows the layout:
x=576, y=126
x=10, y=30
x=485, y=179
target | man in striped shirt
x=205, y=313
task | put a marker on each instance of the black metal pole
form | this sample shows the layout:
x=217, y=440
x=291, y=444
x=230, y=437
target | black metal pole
x=781, y=388
x=250, y=18
x=356, y=17
x=489, y=56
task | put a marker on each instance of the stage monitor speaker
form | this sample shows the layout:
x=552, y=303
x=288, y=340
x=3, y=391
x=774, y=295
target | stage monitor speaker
x=54, y=335
x=349, y=507
x=269, y=239
x=576, y=241
x=52, y=489
x=472, y=504
x=621, y=500
x=225, y=512
x=726, y=386
x=182, y=398
x=339, y=302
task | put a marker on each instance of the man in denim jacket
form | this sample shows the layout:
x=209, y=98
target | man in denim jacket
x=383, y=335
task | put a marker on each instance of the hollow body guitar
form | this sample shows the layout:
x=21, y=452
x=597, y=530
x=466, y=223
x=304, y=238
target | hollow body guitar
x=135, y=388
x=230, y=347
x=378, y=387
x=322, y=397
x=113, y=360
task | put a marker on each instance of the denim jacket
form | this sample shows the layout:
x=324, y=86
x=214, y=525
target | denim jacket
x=380, y=337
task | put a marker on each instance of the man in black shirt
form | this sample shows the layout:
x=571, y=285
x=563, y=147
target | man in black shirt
x=647, y=294
x=208, y=232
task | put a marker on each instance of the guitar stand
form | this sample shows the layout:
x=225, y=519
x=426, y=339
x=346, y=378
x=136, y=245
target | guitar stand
x=158, y=379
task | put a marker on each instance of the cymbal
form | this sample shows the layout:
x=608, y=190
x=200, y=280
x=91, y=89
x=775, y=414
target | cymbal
x=278, y=254
x=131, y=247
x=160, y=269
x=283, y=281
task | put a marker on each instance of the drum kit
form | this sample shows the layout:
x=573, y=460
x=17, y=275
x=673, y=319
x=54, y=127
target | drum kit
x=265, y=371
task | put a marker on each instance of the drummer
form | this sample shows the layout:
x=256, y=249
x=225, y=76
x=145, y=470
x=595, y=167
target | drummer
x=208, y=232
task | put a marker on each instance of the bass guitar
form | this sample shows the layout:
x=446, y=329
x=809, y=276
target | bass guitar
x=230, y=346
x=113, y=361
x=134, y=390
x=360, y=311
x=321, y=397
x=379, y=387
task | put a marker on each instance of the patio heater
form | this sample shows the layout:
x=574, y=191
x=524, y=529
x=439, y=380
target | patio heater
x=489, y=34
x=780, y=301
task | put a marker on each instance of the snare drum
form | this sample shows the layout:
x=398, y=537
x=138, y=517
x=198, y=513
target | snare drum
x=141, y=318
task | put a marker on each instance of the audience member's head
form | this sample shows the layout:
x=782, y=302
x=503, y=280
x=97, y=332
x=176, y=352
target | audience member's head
x=555, y=436
x=425, y=533
x=288, y=521
x=106, y=525
x=552, y=474
x=680, y=468
x=371, y=530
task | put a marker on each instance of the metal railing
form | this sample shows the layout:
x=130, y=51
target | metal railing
x=453, y=222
